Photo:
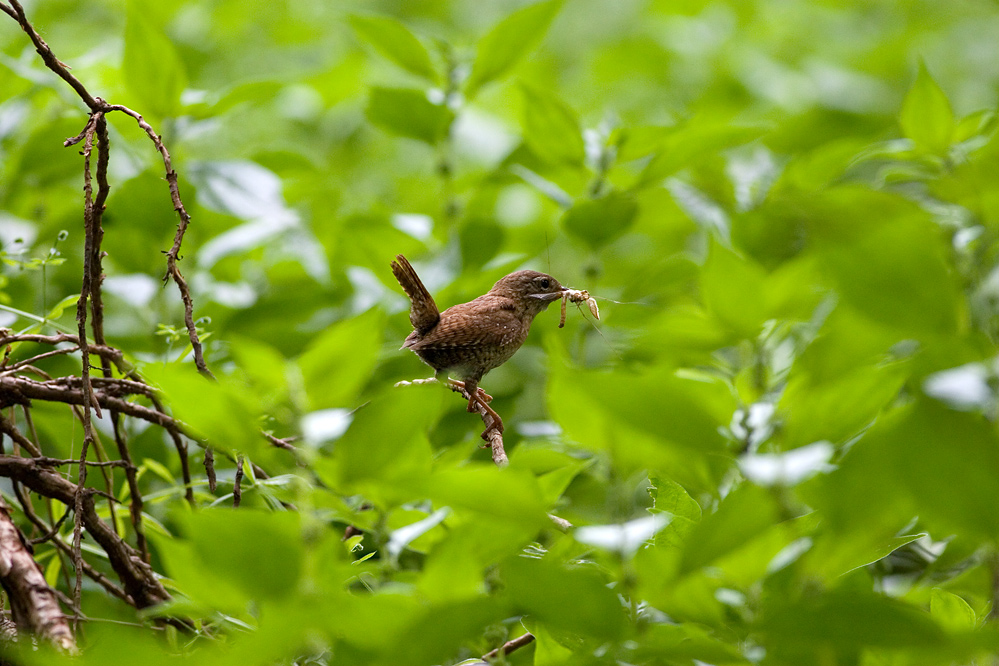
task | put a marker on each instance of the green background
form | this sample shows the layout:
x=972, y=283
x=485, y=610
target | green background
x=778, y=443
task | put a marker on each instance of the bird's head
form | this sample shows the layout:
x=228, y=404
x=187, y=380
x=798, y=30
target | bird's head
x=535, y=290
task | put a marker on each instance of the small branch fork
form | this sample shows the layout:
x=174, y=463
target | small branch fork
x=98, y=109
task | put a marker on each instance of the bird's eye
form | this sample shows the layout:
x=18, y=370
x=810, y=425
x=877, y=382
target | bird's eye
x=545, y=283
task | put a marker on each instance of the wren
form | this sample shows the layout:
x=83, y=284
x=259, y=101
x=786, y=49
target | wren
x=470, y=339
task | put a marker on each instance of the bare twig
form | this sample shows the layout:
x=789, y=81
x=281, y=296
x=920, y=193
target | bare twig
x=53, y=63
x=7, y=427
x=66, y=549
x=21, y=390
x=55, y=462
x=510, y=646
x=97, y=325
x=173, y=254
x=281, y=443
x=11, y=369
x=53, y=531
x=89, y=250
x=210, y=468
x=112, y=354
x=99, y=107
x=237, y=490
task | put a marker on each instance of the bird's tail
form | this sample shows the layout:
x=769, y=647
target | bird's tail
x=424, y=314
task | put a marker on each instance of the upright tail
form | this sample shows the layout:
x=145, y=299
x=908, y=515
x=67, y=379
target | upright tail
x=424, y=314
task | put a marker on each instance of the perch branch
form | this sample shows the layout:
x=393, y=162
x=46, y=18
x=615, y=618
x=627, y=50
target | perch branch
x=491, y=435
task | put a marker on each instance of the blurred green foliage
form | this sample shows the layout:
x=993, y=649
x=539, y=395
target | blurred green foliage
x=780, y=438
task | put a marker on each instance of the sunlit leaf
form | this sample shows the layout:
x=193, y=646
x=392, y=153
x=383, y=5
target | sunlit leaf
x=551, y=129
x=926, y=116
x=509, y=41
x=395, y=41
x=597, y=222
x=152, y=68
x=339, y=361
x=687, y=144
x=409, y=113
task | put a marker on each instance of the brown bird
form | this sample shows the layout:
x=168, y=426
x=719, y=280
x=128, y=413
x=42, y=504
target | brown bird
x=472, y=338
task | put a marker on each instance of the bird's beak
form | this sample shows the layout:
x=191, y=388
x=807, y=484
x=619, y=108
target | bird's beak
x=548, y=297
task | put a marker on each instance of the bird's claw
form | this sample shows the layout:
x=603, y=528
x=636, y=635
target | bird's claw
x=497, y=426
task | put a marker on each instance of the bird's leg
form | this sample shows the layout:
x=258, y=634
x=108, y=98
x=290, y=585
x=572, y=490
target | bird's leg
x=475, y=395
x=459, y=387
x=497, y=422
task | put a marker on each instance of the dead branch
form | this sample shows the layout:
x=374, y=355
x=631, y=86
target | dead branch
x=173, y=254
x=33, y=603
x=138, y=578
x=48, y=57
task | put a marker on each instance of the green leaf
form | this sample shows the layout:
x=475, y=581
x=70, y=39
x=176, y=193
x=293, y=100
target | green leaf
x=598, y=222
x=432, y=638
x=551, y=128
x=549, y=651
x=385, y=451
x=744, y=513
x=692, y=143
x=409, y=113
x=835, y=554
x=509, y=41
x=682, y=412
x=734, y=290
x=889, y=261
x=265, y=368
x=926, y=116
x=339, y=362
x=457, y=565
x=56, y=312
x=670, y=497
x=503, y=494
x=259, y=552
x=574, y=599
x=975, y=124
x=153, y=71
x=840, y=407
x=922, y=459
x=395, y=41
x=225, y=412
x=951, y=611
x=684, y=643
x=837, y=624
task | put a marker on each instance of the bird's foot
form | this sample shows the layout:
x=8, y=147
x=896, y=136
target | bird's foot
x=459, y=386
x=496, y=425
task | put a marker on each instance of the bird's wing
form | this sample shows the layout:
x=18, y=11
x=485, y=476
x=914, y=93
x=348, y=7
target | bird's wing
x=479, y=323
